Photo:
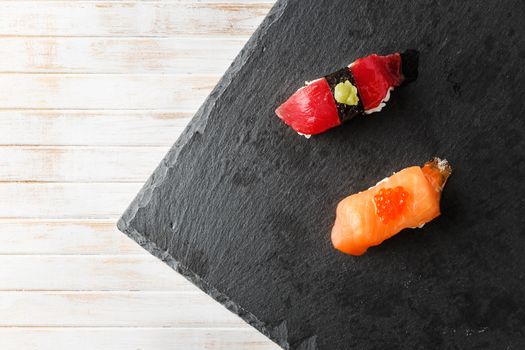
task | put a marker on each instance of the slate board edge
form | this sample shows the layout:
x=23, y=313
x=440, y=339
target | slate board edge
x=278, y=333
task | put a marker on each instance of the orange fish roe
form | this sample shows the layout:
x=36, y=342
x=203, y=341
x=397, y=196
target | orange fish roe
x=390, y=202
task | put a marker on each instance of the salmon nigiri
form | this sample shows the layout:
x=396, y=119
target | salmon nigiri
x=407, y=199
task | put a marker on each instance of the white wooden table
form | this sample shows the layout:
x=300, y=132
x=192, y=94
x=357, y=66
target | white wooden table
x=92, y=95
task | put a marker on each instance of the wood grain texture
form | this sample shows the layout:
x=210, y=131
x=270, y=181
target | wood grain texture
x=168, y=1
x=113, y=309
x=118, y=55
x=110, y=81
x=65, y=200
x=88, y=273
x=133, y=338
x=68, y=164
x=91, y=128
x=105, y=91
x=129, y=18
x=67, y=237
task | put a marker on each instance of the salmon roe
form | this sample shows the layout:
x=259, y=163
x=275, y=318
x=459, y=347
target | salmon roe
x=390, y=202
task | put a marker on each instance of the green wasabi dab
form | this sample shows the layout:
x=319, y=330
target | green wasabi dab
x=346, y=93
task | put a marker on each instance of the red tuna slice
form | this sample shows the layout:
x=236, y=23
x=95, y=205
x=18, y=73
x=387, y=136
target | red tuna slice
x=311, y=109
x=374, y=76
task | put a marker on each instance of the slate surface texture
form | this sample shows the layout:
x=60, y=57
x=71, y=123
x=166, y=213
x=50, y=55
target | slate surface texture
x=243, y=206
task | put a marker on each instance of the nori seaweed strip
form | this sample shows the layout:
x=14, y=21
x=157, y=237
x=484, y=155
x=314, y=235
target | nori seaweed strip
x=345, y=112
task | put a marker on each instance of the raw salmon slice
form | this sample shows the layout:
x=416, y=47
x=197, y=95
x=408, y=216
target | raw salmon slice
x=407, y=199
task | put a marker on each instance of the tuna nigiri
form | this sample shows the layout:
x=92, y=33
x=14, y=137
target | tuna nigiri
x=408, y=199
x=362, y=87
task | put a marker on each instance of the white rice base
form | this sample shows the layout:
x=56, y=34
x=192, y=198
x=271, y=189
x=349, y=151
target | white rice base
x=382, y=103
x=305, y=135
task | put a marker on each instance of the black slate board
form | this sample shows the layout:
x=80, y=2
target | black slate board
x=243, y=206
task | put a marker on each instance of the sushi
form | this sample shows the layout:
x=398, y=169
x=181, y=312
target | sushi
x=361, y=88
x=408, y=199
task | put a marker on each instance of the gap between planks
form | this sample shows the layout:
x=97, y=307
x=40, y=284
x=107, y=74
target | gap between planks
x=133, y=74
x=95, y=109
x=133, y=293
x=233, y=2
x=138, y=37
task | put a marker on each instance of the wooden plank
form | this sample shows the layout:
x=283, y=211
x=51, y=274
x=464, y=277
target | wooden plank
x=79, y=164
x=114, y=309
x=88, y=273
x=104, y=91
x=91, y=128
x=65, y=237
x=167, y=1
x=133, y=338
x=118, y=55
x=66, y=200
x=129, y=18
